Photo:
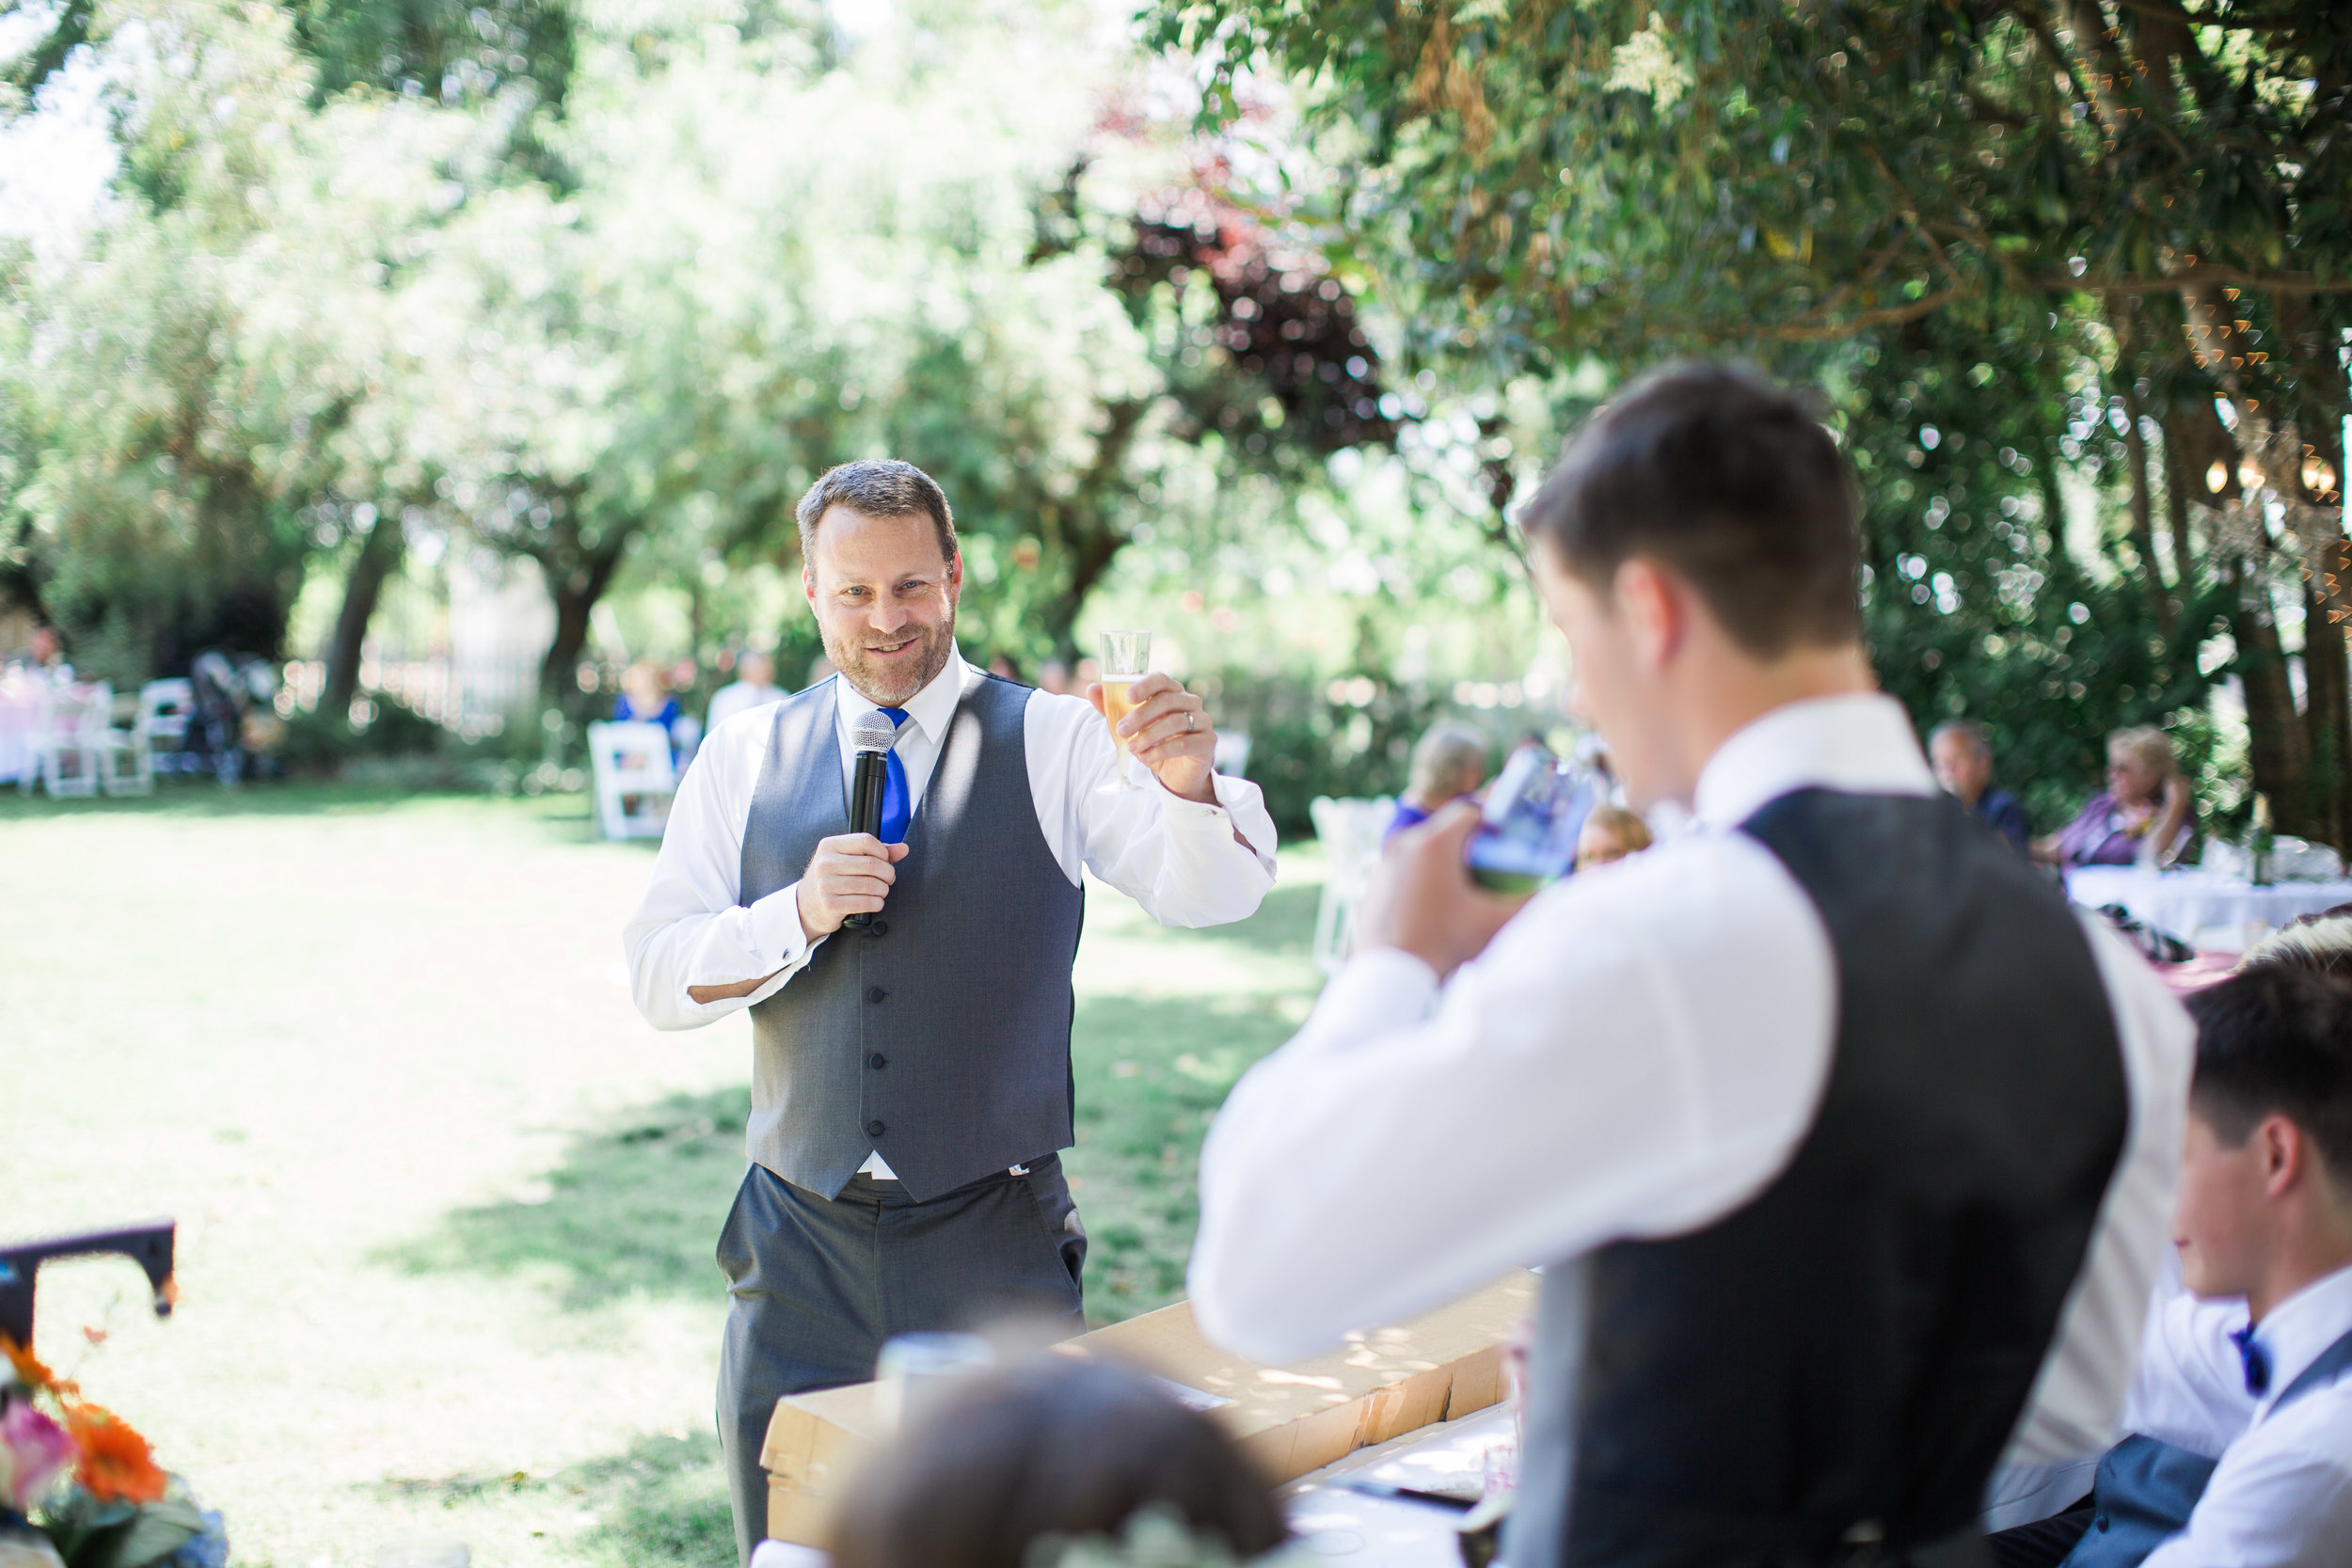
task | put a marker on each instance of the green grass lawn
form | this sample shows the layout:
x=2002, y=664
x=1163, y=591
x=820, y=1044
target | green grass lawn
x=447, y=1205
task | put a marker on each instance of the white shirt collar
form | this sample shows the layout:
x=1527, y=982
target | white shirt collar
x=930, y=709
x=1861, y=743
x=2307, y=1323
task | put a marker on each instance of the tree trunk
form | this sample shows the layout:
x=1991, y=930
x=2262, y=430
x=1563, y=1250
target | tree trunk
x=2143, y=521
x=2176, y=482
x=2276, y=752
x=2326, y=720
x=379, y=557
x=575, y=591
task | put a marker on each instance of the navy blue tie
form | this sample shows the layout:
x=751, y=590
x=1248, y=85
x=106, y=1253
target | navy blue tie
x=895, y=809
x=2256, y=1358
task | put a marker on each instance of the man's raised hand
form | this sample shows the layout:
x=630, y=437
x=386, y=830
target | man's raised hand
x=848, y=875
x=1423, y=901
x=1170, y=732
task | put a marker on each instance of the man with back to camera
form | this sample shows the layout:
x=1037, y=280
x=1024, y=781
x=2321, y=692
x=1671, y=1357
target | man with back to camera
x=1849, y=1150
x=911, y=1080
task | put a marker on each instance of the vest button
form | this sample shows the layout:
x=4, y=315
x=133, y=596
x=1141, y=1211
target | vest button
x=876, y=1128
x=2099, y=1522
x=875, y=993
x=878, y=927
x=878, y=1061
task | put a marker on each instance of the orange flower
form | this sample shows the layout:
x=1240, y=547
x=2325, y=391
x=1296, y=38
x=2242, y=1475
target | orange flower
x=34, y=1375
x=117, y=1465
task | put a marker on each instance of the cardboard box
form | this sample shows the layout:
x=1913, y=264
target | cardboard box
x=1290, y=1419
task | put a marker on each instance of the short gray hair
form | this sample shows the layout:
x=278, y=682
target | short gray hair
x=877, y=487
x=1447, y=750
x=1968, y=729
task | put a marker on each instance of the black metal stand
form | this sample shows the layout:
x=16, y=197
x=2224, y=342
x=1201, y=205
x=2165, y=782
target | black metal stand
x=149, y=1245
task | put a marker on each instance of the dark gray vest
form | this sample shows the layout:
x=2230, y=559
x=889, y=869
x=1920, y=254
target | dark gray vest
x=1830, y=1373
x=939, y=1036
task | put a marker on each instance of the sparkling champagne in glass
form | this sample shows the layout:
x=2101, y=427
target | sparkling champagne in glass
x=1126, y=655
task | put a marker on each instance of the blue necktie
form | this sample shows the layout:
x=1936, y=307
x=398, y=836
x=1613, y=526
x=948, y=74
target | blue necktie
x=2257, y=1360
x=894, y=809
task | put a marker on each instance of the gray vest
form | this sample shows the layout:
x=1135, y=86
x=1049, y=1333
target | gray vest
x=939, y=1036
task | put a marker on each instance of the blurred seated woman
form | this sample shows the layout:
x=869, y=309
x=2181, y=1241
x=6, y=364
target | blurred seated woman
x=645, y=699
x=1055, y=1449
x=1610, y=833
x=1448, y=763
x=2146, y=803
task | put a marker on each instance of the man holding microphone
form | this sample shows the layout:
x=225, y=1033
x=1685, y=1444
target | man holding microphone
x=910, y=988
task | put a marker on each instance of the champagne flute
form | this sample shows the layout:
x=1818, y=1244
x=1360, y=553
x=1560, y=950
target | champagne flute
x=1126, y=657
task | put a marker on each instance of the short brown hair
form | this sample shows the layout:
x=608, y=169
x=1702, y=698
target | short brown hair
x=1729, y=479
x=877, y=487
x=1054, y=1447
x=2275, y=1040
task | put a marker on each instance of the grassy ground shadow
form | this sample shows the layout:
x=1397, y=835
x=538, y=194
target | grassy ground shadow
x=634, y=1207
x=661, y=1503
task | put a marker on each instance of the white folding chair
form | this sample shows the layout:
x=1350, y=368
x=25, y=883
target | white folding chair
x=1349, y=832
x=68, y=749
x=166, y=709
x=1233, y=754
x=136, y=745
x=629, y=765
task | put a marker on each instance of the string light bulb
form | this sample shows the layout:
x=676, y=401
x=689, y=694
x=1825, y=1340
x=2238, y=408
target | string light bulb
x=2318, y=478
x=2216, y=477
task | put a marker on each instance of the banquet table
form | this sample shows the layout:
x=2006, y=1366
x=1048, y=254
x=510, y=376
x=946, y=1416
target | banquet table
x=2209, y=912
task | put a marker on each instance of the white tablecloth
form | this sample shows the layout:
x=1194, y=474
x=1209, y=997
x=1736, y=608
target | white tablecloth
x=2216, y=913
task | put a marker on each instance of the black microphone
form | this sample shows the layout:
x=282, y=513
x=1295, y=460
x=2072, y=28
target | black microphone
x=871, y=737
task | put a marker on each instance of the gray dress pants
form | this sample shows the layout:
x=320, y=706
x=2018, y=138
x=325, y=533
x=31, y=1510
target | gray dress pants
x=816, y=1284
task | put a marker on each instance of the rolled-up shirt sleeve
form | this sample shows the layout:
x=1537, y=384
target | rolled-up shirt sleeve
x=1186, y=862
x=687, y=929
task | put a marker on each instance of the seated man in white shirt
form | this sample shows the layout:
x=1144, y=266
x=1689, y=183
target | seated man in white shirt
x=2264, y=1238
x=755, y=686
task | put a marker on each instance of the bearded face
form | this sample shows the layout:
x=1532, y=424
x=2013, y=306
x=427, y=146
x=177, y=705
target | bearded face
x=885, y=597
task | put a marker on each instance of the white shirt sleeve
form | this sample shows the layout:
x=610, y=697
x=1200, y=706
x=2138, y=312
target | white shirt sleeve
x=1177, y=858
x=687, y=929
x=1637, y=1053
x=2281, y=1497
x=2078, y=1395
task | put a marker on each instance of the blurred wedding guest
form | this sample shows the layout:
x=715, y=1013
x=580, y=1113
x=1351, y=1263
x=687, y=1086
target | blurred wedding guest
x=2239, y=1445
x=755, y=686
x=2321, y=943
x=1000, y=664
x=1610, y=834
x=1053, y=1448
x=2146, y=803
x=1053, y=677
x=1963, y=756
x=1448, y=763
x=645, y=699
x=1847, y=1147
x=819, y=669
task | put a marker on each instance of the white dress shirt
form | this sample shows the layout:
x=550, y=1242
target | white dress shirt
x=2281, y=1497
x=2190, y=1387
x=1636, y=1055
x=1178, y=859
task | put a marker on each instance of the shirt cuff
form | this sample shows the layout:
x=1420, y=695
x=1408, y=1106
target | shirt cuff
x=1380, y=992
x=775, y=923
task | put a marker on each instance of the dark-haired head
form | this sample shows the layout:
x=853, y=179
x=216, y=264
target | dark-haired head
x=2266, y=1200
x=2275, y=1040
x=1729, y=479
x=1056, y=1446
